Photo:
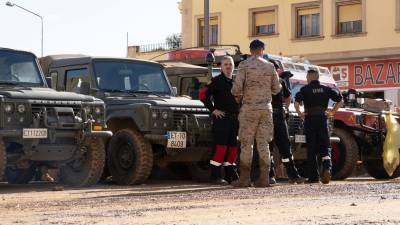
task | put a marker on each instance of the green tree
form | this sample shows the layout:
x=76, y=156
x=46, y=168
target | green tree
x=174, y=41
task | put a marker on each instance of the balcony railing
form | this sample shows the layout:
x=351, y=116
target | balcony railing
x=159, y=47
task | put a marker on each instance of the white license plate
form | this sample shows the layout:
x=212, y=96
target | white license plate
x=176, y=139
x=299, y=138
x=34, y=133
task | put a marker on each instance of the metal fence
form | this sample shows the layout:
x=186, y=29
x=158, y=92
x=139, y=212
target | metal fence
x=159, y=47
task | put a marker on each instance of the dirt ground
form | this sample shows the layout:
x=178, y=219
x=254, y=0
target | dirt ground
x=355, y=201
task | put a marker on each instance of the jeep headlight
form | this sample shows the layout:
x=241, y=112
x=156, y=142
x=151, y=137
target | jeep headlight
x=164, y=115
x=87, y=110
x=21, y=108
x=154, y=115
x=97, y=110
x=8, y=108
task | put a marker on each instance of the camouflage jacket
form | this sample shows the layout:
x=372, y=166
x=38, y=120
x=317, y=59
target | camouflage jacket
x=256, y=82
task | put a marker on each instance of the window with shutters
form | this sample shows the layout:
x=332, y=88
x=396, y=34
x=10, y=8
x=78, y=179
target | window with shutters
x=214, y=30
x=349, y=17
x=308, y=22
x=263, y=21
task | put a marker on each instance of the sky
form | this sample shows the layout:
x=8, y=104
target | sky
x=92, y=27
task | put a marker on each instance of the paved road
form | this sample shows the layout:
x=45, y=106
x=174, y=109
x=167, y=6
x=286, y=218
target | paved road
x=355, y=201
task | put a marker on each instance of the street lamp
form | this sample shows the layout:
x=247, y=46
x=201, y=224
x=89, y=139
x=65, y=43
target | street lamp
x=10, y=4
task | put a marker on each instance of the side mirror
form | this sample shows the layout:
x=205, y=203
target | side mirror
x=85, y=88
x=174, y=91
x=49, y=81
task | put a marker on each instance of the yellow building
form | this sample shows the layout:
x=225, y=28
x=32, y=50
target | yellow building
x=358, y=39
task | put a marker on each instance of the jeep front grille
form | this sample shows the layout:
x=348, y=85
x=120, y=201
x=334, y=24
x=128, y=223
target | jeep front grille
x=180, y=120
x=37, y=108
x=295, y=125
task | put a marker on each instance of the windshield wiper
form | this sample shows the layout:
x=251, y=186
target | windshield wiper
x=118, y=91
x=144, y=92
x=132, y=92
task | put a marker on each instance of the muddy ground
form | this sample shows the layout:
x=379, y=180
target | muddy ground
x=355, y=201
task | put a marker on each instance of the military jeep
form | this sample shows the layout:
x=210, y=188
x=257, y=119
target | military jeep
x=152, y=127
x=40, y=127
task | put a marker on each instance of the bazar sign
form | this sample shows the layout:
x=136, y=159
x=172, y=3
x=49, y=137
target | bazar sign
x=367, y=75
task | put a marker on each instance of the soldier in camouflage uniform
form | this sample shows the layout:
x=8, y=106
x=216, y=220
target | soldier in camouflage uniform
x=254, y=86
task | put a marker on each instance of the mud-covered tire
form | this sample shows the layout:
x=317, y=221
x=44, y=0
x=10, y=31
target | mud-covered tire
x=20, y=176
x=129, y=157
x=344, y=154
x=376, y=170
x=88, y=171
x=3, y=159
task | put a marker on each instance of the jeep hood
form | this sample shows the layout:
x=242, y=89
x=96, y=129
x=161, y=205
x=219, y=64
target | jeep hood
x=44, y=94
x=157, y=101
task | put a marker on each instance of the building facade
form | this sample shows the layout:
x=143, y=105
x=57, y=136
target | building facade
x=359, y=40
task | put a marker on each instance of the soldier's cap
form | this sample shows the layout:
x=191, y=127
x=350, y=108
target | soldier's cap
x=257, y=44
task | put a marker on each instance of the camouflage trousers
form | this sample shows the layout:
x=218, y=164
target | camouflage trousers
x=255, y=125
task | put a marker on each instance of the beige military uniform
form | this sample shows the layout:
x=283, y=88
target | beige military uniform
x=256, y=82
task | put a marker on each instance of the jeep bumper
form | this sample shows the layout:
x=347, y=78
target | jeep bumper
x=331, y=139
x=17, y=133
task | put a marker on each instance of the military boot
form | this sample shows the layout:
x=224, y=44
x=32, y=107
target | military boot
x=244, y=179
x=263, y=180
x=272, y=172
x=326, y=175
x=292, y=173
x=231, y=173
x=216, y=177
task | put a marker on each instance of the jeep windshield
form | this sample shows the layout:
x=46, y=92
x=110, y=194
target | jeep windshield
x=19, y=68
x=131, y=77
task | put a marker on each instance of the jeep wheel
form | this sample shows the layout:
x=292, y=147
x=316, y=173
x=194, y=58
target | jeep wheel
x=129, y=157
x=376, y=170
x=20, y=176
x=344, y=154
x=88, y=169
x=3, y=159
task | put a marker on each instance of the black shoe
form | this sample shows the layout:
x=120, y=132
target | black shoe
x=292, y=173
x=297, y=180
x=326, y=176
x=312, y=181
x=219, y=181
x=231, y=174
x=272, y=180
x=216, y=177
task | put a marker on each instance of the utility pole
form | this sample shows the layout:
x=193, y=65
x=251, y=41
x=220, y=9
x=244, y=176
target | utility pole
x=127, y=44
x=210, y=59
x=206, y=24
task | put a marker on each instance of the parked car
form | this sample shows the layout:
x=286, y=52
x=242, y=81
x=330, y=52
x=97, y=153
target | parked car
x=42, y=127
x=151, y=125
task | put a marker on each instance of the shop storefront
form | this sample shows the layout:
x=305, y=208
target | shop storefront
x=377, y=79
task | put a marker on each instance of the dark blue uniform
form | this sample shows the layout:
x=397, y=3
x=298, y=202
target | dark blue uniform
x=281, y=133
x=316, y=98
